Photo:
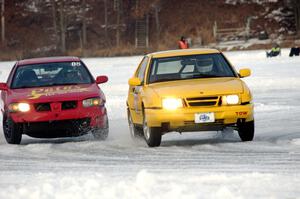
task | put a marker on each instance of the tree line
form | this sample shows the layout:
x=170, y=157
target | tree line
x=63, y=22
x=64, y=25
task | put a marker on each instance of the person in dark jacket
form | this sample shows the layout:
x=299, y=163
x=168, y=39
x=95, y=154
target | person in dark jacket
x=295, y=51
x=182, y=43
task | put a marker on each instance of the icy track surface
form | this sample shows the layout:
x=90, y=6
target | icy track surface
x=192, y=165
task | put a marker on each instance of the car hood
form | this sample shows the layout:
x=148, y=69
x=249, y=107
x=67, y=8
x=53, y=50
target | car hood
x=55, y=93
x=198, y=87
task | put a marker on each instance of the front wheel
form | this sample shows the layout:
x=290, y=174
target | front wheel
x=102, y=133
x=152, y=134
x=135, y=132
x=12, y=131
x=246, y=131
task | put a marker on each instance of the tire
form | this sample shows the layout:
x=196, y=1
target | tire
x=12, y=131
x=102, y=133
x=135, y=132
x=246, y=131
x=152, y=135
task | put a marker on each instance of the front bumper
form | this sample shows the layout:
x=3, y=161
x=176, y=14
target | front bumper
x=183, y=119
x=95, y=115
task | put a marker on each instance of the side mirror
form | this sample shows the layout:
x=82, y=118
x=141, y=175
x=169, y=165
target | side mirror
x=134, y=81
x=245, y=72
x=3, y=87
x=101, y=79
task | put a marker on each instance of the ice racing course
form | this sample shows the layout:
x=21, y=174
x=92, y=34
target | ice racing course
x=191, y=165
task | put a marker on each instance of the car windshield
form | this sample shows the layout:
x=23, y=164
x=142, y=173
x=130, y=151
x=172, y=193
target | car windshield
x=189, y=67
x=50, y=74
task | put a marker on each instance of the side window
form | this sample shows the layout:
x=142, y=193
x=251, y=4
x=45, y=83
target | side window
x=141, y=72
x=10, y=76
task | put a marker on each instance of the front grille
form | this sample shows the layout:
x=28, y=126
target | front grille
x=68, y=105
x=39, y=107
x=58, y=128
x=203, y=101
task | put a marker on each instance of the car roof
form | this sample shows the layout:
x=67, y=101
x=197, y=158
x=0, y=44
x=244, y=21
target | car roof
x=43, y=60
x=173, y=53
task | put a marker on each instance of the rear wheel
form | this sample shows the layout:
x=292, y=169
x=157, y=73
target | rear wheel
x=135, y=132
x=102, y=133
x=246, y=130
x=152, y=134
x=12, y=131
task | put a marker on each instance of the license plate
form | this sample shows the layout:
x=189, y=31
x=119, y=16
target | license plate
x=204, y=117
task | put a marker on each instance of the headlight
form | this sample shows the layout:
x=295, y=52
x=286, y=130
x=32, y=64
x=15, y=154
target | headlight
x=19, y=107
x=172, y=103
x=230, y=99
x=92, y=102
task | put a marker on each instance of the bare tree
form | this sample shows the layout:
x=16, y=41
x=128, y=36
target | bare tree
x=62, y=27
x=54, y=17
x=118, y=24
x=106, y=22
x=156, y=6
x=84, y=24
x=2, y=21
x=296, y=6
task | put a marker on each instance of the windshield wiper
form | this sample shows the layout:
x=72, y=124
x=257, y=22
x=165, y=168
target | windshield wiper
x=165, y=80
x=61, y=84
x=47, y=85
x=205, y=76
x=24, y=87
x=189, y=77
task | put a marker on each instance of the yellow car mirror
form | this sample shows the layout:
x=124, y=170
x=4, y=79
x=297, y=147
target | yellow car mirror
x=134, y=81
x=245, y=72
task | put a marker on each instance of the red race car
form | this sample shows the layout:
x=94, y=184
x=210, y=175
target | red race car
x=53, y=97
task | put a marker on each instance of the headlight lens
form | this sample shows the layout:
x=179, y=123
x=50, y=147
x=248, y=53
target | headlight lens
x=230, y=99
x=172, y=103
x=92, y=102
x=19, y=107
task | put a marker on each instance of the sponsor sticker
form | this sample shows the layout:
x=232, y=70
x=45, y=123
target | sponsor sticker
x=37, y=93
x=204, y=117
x=242, y=113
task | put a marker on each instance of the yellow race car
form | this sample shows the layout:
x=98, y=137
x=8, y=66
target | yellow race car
x=188, y=90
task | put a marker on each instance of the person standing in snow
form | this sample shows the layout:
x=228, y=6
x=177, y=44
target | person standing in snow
x=295, y=51
x=182, y=43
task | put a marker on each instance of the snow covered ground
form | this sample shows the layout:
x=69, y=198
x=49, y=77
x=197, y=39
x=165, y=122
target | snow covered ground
x=192, y=165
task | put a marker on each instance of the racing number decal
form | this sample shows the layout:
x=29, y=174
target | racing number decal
x=75, y=64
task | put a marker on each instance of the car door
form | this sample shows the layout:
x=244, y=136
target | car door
x=135, y=97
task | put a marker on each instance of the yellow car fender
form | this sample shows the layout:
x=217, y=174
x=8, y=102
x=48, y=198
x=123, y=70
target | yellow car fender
x=150, y=99
x=246, y=96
